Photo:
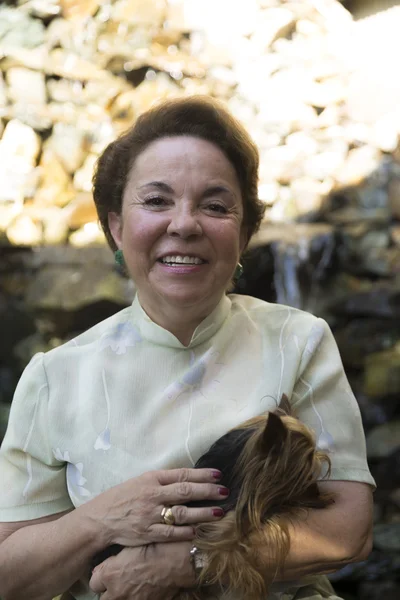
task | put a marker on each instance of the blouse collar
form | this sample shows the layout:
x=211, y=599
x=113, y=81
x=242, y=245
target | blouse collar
x=156, y=334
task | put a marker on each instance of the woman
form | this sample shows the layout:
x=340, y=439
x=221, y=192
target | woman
x=104, y=430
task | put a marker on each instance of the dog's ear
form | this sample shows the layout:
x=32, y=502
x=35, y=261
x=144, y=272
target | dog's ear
x=285, y=405
x=274, y=436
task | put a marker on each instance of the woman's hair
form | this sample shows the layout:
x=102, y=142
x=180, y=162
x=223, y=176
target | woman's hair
x=272, y=469
x=197, y=116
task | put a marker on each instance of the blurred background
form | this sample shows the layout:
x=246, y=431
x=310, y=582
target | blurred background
x=317, y=85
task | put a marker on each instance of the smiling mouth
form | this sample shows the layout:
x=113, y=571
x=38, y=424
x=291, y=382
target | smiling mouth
x=181, y=260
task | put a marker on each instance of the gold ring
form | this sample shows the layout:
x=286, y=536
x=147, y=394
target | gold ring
x=167, y=516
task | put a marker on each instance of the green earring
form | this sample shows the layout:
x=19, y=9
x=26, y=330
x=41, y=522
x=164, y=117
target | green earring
x=238, y=272
x=119, y=258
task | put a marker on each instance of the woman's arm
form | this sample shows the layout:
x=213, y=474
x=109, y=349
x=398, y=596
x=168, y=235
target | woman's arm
x=43, y=560
x=324, y=540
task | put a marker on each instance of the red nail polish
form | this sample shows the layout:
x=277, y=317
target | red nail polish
x=216, y=474
x=218, y=512
x=223, y=491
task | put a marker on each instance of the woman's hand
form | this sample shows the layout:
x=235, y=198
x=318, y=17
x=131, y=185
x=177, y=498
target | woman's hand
x=130, y=513
x=153, y=572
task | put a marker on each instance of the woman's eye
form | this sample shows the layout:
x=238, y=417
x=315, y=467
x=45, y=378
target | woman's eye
x=216, y=207
x=155, y=201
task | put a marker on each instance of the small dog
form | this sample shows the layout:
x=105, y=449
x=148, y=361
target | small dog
x=271, y=466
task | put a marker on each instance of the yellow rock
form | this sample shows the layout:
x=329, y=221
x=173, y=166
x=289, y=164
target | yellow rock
x=79, y=9
x=23, y=231
x=55, y=187
x=139, y=12
x=80, y=210
x=89, y=234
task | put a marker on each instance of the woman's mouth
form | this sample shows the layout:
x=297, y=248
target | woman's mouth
x=172, y=260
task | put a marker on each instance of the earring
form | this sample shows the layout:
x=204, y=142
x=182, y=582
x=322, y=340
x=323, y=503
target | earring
x=238, y=272
x=119, y=258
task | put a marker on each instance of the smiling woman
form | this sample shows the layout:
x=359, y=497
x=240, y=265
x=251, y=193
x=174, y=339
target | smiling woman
x=105, y=430
x=181, y=230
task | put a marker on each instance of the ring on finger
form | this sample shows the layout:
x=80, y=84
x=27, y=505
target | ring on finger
x=167, y=516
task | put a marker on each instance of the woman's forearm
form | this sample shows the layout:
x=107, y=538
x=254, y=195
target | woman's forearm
x=40, y=561
x=324, y=540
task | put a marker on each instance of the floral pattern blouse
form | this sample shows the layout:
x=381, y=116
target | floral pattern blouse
x=127, y=397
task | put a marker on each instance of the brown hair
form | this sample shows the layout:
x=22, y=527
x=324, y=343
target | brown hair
x=197, y=116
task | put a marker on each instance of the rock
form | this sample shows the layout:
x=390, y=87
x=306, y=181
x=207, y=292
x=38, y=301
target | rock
x=80, y=210
x=364, y=249
x=19, y=30
x=303, y=142
x=387, y=537
x=44, y=9
x=394, y=196
x=361, y=337
x=285, y=118
x=379, y=301
x=72, y=287
x=375, y=590
x=384, y=134
x=20, y=80
x=68, y=144
x=78, y=9
x=281, y=164
x=55, y=228
x=139, y=12
x=382, y=374
x=71, y=66
x=395, y=235
x=268, y=192
x=360, y=164
x=36, y=116
x=309, y=194
x=326, y=93
x=23, y=231
x=324, y=165
x=83, y=177
x=87, y=235
x=55, y=184
x=19, y=148
x=277, y=23
x=3, y=94
x=383, y=440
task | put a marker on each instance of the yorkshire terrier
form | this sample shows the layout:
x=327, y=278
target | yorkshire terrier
x=271, y=466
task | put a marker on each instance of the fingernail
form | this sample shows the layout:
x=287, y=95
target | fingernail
x=216, y=474
x=223, y=491
x=218, y=512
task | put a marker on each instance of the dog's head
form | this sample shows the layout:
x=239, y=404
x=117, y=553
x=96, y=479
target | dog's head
x=271, y=466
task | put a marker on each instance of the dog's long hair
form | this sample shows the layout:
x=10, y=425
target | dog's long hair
x=271, y=466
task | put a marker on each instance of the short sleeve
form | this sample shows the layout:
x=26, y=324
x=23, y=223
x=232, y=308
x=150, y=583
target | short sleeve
x=323, y=400
x=32, y=481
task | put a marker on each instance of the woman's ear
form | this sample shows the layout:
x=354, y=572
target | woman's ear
x=115, y=225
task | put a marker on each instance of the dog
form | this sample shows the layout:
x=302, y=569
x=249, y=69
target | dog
x=271, y=466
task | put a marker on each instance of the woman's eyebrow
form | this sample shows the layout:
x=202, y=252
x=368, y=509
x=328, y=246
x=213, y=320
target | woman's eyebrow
x=164, y=187
x=217, y=189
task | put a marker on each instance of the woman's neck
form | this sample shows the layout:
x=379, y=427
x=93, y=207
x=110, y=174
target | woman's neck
x=181, y=321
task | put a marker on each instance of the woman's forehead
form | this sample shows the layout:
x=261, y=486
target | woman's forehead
x=182, y=156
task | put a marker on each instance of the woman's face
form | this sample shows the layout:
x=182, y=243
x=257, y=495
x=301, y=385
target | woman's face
x=181, y=224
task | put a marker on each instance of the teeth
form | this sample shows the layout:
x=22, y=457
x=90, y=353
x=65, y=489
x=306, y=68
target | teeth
x=190, y=260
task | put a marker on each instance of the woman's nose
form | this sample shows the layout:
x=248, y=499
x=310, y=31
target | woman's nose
x=184, y=223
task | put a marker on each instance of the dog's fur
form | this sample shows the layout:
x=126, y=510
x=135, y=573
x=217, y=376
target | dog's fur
x=271, y=466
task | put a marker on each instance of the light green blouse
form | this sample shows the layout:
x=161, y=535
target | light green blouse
x=127, y=397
